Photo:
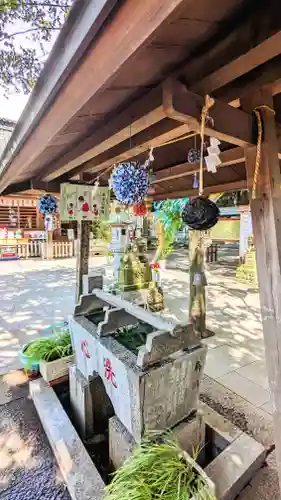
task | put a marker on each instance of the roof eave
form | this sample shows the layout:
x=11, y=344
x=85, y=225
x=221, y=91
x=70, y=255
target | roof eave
x=83, y=23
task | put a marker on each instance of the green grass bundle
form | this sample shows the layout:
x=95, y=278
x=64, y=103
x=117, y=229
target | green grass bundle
x=159, y=470
x=49, y=348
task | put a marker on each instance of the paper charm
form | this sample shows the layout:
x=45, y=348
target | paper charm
x=214, y=142
x=212, y=161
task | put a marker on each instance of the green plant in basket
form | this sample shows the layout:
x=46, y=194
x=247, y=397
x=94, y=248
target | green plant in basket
x=49, y=348
x=160, y=469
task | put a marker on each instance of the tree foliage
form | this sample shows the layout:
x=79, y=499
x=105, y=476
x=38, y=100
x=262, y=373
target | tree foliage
x=169, y=212
x=26, y=29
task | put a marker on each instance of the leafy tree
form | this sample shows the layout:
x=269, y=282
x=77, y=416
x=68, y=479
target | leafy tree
x=26, y=29
x=168, y=213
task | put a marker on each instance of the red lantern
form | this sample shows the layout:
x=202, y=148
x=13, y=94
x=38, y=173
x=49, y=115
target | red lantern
x=140, y=209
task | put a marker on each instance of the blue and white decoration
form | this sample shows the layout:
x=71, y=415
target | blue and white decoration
x=47, y=204
x=130, y=182
x=193, y=155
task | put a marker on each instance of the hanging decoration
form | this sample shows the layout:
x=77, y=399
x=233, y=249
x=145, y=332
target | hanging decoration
x=200, y=213
x=140, y=209
x=193, y=155
x=47, y=204
x=195, y=181
x=212, y=159
x=130, y=180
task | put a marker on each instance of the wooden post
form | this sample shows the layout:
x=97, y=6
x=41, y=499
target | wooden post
x=161, y=242
x=83, y=246
x=50, y=253
x=197, y=294
x=266, y=217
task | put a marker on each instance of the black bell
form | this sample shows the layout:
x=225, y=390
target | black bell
x=200, y=213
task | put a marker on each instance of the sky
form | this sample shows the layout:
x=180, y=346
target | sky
x=13, y=106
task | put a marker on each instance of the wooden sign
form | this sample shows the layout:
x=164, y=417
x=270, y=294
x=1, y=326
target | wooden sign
x=83, y=202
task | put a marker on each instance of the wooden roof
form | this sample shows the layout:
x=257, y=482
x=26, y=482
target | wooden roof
x=109, y=106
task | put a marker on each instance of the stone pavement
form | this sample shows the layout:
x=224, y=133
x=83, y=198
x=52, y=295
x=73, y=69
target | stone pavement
x=36, y=293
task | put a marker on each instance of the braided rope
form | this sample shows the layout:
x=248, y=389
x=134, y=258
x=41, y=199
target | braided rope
x=258, y=155
x=209, y=102
x=259, y=141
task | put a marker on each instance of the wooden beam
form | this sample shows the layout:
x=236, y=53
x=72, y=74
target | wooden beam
x=267, y=75
x=266, y=210
x=230, y=124
x=154, y=136
x=229, y=186
x=51, y=187
x=116, y=130
x=144, y=112
x=230, y=157
x=238, y=35
x=17, y=188
x=140, y=115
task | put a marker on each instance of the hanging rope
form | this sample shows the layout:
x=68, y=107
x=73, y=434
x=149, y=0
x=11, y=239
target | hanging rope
x=209, y=102
x=258, y=154
x=259, y=140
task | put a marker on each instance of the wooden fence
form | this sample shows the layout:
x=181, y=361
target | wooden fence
x=56, y=250
x=31, y=249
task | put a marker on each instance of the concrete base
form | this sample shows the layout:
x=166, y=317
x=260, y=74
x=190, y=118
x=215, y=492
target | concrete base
x=237, y=455
x=81, y=476
x=190, y=435
x=89, y=402
x=93, y=280
x=121, y=443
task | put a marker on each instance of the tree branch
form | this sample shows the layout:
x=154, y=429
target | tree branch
x=12, y=35
x=43, y=4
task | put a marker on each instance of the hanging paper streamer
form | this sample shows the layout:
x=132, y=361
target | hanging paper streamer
x=130, y=182
x=213, y=160
x=47, y=204
x=200, y=213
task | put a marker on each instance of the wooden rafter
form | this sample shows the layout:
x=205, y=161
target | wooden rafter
x=231, y=157
x=147, y=110
x=154, y=136
x=217, y=188
x=268, y=49
x=140, y=115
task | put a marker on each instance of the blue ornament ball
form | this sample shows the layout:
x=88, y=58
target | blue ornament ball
x=47, y=204
x=130, y=182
